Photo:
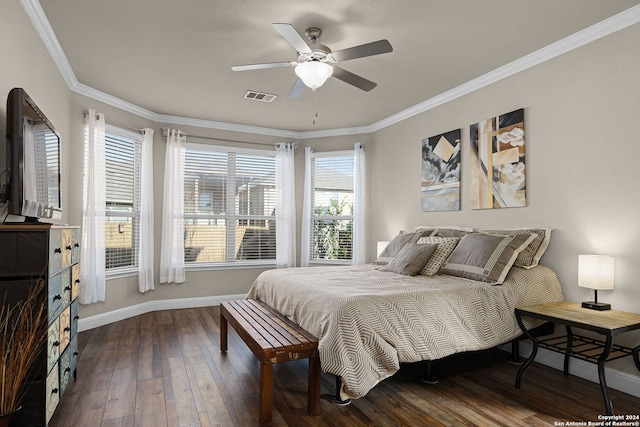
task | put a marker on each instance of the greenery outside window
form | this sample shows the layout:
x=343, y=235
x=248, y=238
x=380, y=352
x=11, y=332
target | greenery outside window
x=332, y=202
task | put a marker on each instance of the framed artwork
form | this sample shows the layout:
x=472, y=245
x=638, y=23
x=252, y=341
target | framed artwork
x=441, y=172
x=497, y=162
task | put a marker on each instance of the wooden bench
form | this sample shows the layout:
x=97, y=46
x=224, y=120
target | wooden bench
x=273, y=339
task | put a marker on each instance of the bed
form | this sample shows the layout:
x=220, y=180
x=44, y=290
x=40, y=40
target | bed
x=369, y=320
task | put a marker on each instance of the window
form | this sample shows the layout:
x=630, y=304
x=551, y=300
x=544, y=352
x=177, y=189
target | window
x=229, y=205
x=123, y=158
x=332, y=202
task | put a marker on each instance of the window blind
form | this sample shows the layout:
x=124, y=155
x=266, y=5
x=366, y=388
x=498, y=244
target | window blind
x=229, y=204
x=332, y=207
x=123, y=156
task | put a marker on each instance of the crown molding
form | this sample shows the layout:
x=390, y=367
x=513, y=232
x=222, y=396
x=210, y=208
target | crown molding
x=601, y=29
x=40, y=23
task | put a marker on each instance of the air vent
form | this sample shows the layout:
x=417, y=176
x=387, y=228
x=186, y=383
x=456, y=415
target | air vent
x=259, y=96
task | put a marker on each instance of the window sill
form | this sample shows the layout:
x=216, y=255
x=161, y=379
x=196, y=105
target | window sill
x=235, y=266
x=120, y=273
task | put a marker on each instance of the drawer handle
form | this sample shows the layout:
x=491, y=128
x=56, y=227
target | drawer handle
x=68, y=248
x=75, y=353
x=55, y=343
x=67, y=329
x=57, y=297
x=67, y=288
x=76, y=317
x=54, y=391
x=67, y=369
x=77, y=280
x=76, y=245
x=57, y=251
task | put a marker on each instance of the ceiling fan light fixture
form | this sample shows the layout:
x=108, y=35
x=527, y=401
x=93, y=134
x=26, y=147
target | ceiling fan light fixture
x=314, y=73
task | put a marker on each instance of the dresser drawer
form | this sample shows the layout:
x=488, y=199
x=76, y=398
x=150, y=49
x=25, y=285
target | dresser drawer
x=73, y=351
x=67, y=247
x=55, y=295
x=65, y=369
x=52, y=393
x=74, y=318
x=75, y=281
x=65, y=328
x=53, y=344
x=66, y=287
x=55, y=250
x=75, y=256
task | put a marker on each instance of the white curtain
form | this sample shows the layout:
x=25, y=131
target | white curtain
x=145, y=251
x=172, y=246
x=305, y=239
x=92, y=246
x=285, y=206
x=359, y=176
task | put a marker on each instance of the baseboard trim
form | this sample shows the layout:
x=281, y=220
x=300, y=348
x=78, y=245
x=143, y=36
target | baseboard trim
x=616, y=379
x=102, y=319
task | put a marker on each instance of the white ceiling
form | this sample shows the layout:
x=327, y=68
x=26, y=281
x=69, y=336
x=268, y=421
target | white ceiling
x=174, y=57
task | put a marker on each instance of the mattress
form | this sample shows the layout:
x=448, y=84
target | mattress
x=369, y=321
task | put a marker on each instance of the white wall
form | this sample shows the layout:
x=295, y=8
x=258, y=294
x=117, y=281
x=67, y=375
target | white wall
x=27, y=64
x=582, y=131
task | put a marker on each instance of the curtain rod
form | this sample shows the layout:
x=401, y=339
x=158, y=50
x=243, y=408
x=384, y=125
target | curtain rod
x=165, y=132
x=120, y=125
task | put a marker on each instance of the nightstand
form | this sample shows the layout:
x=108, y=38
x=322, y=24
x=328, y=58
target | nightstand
x=607, y=323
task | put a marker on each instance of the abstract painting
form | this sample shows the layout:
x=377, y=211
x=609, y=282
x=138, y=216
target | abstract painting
x=441, y=172
x=497, y=162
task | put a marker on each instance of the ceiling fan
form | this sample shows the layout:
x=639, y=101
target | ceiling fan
x=316, y=62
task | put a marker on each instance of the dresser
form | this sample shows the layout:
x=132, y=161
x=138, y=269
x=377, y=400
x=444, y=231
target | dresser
x=49, y=252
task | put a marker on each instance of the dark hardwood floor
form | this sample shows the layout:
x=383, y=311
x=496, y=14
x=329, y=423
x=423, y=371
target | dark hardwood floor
x=166, y=369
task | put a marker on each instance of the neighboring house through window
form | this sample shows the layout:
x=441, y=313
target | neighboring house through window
x=229, y=206
x=123, y=158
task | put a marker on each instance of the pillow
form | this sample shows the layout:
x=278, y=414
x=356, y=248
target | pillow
x=486, y=257
x=411, y=258
x=395, y=245
x=446, y=245
x=445, y=230
x=530, y=256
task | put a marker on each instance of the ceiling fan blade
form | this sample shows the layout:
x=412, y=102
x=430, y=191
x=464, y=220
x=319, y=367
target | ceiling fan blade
x=369, y=49
x=262, y=66
x=297, y=89
x=353, y=79
x=288, y=32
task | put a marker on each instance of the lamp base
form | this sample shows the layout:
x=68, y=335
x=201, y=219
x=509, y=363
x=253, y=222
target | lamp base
x=600, y=306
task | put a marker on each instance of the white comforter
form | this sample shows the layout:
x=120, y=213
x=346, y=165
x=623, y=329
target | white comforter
x=369, y=321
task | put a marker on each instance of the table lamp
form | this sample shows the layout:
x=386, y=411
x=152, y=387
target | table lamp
x=380, y=248
x=595, y=272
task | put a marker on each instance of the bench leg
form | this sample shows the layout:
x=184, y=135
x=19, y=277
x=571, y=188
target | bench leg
x=266, y=393
x=313, y=392
x=223, y=333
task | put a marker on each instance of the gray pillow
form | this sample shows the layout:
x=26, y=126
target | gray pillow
x=486, y=257
x=395, y=245
x=530, y=256
x=411, y=258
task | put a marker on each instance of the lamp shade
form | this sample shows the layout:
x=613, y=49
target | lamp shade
x=595, y=271
x=381, y=247
x=314, y=73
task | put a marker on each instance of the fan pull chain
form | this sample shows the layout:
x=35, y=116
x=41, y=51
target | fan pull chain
x=315, y=93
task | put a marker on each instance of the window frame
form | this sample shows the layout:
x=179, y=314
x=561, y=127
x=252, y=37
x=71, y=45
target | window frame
x=313, y=216
x=231, y=217
x=133, y=269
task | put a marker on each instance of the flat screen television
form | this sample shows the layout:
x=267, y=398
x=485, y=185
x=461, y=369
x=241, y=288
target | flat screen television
x=32, y=163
